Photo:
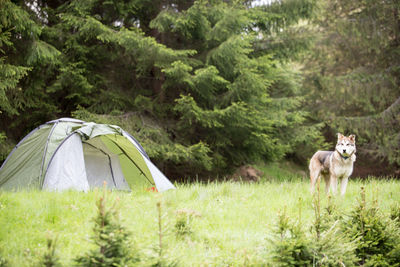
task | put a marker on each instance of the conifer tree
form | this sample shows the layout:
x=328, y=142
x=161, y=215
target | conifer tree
x=291, y=247
x=240, y=101
x=50, y=258
x=331, y=247
x=353, y=75
x=205, y=85
x=23, y=65
x=14, y=21
x=111, y=240
x=375, y=236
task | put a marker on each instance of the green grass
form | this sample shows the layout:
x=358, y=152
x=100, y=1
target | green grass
x=229, y=228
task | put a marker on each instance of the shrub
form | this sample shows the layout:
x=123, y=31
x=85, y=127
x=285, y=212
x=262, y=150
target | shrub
x=3, y=262
x=183, y=224
x=50, y=258
x=395, y=214
x=290, y=244
x=331, y=247
x=375, y=235
x=111, y=239
x=160, y=258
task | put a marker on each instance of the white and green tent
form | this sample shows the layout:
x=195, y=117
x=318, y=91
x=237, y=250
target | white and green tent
x=73, y=154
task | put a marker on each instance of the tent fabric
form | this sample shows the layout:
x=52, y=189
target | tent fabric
x=28, y=154
x=92, y=130
x=122, y=145
x=59, y=132
x=162, y=183
x=67, y=169
x=105, y=165
x=72, y=154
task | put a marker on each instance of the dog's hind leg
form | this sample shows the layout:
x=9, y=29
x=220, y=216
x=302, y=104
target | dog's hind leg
x=315, y=168
x=314, y=176
x=327, y=183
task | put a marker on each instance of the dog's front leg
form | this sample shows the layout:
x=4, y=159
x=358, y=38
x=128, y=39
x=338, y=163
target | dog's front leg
x=334, y=182
x=343, y=185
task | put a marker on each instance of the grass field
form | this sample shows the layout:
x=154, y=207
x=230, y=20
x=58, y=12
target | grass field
x=228, y=224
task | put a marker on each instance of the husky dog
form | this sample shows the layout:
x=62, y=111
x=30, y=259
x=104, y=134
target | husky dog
x=334, y=165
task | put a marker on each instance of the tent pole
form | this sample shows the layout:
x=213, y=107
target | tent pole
x=126, y=154
x=44, y=153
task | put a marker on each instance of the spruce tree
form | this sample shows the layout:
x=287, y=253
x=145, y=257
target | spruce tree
x=291, y=247
x=14, y=21
x=237, y=97
x=331, y=247
x=204, y=85
x=353, y=76
x=50, y=257
x=375, y=236
x=110, y=238
x=24, y=67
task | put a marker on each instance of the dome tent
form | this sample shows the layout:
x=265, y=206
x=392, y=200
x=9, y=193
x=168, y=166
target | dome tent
x=73, y=154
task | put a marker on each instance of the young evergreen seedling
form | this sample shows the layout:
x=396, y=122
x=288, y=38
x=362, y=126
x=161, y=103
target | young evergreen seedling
x=50, y=257
x=376, y=238
x=161, y=259
x=111, y=239
x=330, y=246
x=3, y=262
x=290, y=244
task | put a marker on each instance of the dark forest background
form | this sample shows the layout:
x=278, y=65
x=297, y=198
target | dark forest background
x=207, y=86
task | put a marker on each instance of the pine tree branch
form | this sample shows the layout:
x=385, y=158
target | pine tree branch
x=389, y=112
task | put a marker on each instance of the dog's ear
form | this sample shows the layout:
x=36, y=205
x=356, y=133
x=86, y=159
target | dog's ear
x=340, y=136
x=352, y=138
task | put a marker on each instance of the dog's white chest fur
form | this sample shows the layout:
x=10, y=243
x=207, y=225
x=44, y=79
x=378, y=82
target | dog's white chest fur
x=343, y=168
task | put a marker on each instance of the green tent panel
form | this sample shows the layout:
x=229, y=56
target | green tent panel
x=73, y=154
x=128, y=155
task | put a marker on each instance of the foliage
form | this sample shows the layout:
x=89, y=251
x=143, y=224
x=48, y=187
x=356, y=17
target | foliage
x=223, y=83
x=230, y=231
x=3, y=261
x=111, y=240
x=14, y=21
x=367, y=237
x=2, y=137
x=205, y=73
x=50, y=258
x=395, y=213
x=232, y=96
x=161, y=258
x=324, y=244
x=376, y=237
x=352, y=74
x=184, y=222
x=291, y=246
x=331, y=246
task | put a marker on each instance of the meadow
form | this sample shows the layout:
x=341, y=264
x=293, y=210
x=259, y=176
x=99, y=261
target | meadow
x=203, y=224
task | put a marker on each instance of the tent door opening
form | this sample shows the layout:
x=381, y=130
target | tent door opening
x=102, y=166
